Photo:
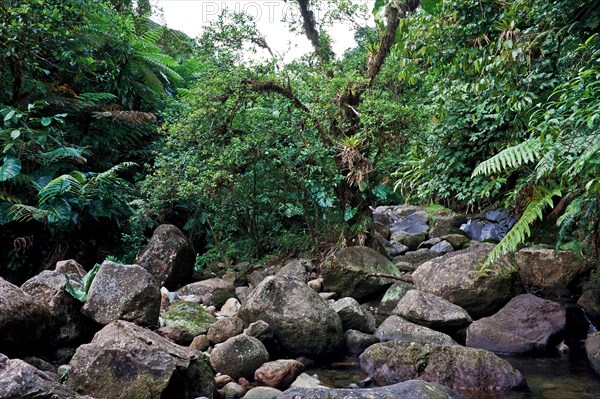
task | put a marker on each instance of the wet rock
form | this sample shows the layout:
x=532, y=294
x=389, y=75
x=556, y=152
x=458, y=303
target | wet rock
x=456, y=278
x=125, y=292
x=345, y=273
x=492, y=225
x=430, y=310
x=278, y=374
x=353, y=316
x=454, y=366
x=592, y=348
x=214, y=291
x=24, y=321
x=393, y=295
x=302, y=323
x=19, y=380
x=126, y=361
x=192, y=318
x=442, y=247
x=68, y=324
x=395, y=328
x=527, y=323
x=411, y=230
x=239, y=356
x=406, y=390
x=590, y=302
x=262, y=393
x=544, y=269
x=357, y=342
x=169, y=257
x=223, y=329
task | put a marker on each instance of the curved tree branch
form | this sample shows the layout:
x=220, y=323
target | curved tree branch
x=322, y=49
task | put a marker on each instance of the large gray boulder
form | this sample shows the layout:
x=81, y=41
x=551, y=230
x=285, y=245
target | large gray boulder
x=169, y=257
x=411, y=230
x=278, y=374
x=123, y=292
x=353, y=316
x=395, y=328
x=239, y=356
x=357, y=342
x=430, y=310
x=212, y=292
x=345, y=273
x=491, y=225
x=24, y=321
x=590, y=302
x=456, y=277
x=126, y=361
x=527, y=323
x=68, y=324
x=413, y=389
x=454, y=366
x=543, y=269
x=592, y=348
x=302, y=322
x=19, y=380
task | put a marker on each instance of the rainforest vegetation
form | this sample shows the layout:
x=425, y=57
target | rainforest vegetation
x=111, y=124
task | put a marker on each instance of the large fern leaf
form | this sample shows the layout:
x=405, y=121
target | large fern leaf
x=61, y=185
x=510, y=158
x=25, y=213
x=542, y=197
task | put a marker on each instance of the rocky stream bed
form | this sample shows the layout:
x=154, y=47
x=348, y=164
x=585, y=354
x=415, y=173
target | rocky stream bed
x=412, y=316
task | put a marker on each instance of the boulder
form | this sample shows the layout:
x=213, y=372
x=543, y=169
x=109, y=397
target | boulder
x=176, y=335
x=592, y=348
x=442, y=247
x=393, y=295
x=395, y=328
x=190, y=317
x=386, y=248
x=24, y=321
x=19, y=380
x=213, y=292
x=260, y=330
x=458, y=241
x=239, y=356
x=70, y=267
x=223, y=329
x=456, y=278
x=230, y=308
x=590, y=302
x=411, y=230
x=454, y=366
x=294, y=268
x=345, y=273
x=278, y=374
x=262, y=393
x=491, y=225
x=430, y=310
x=415, y=258
x=232, y=390
x=357, y=342
x=544, y=269
x=169, y=257
x=353, y=316
x=126, y=361
x=125, y=292
x=68, y=324
x=527, y=323
x=307, y=381
x=200, y=343
x=406, y=390
x=302, y=322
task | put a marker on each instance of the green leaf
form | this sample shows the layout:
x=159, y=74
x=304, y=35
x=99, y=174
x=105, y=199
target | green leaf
x=46, y=121
x=349, y=213
x=15, y=134
x=431, y=6
x=9, y=116
x=10, y=168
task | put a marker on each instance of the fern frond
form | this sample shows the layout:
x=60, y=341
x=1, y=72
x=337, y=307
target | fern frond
x=510, y=158
x=61, y=185
x=592, y=151
x=26, y=213
x=150, y=78
x=95, y=98
x=65, y=153
x=520, y=231
x=135, y=117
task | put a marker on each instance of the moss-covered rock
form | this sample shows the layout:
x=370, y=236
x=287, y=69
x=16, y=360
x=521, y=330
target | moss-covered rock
x=190, y=317
x=346, y=273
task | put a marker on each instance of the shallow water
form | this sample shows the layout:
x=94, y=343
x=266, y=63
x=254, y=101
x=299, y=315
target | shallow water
x=561, y=377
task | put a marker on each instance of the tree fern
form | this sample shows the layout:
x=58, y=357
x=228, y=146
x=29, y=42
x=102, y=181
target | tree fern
x=517, y=235
x=58, y=187
x=510, y=158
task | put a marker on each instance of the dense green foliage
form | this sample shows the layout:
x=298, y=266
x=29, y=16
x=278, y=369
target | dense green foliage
x=468, y=103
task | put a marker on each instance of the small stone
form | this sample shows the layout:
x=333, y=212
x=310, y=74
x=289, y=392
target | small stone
x=200, y=343
x=233, y=390
x=223, y=329
x=222, y=379
x=316, y=285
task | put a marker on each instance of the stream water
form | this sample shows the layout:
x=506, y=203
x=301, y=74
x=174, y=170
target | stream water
x=560, y=377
